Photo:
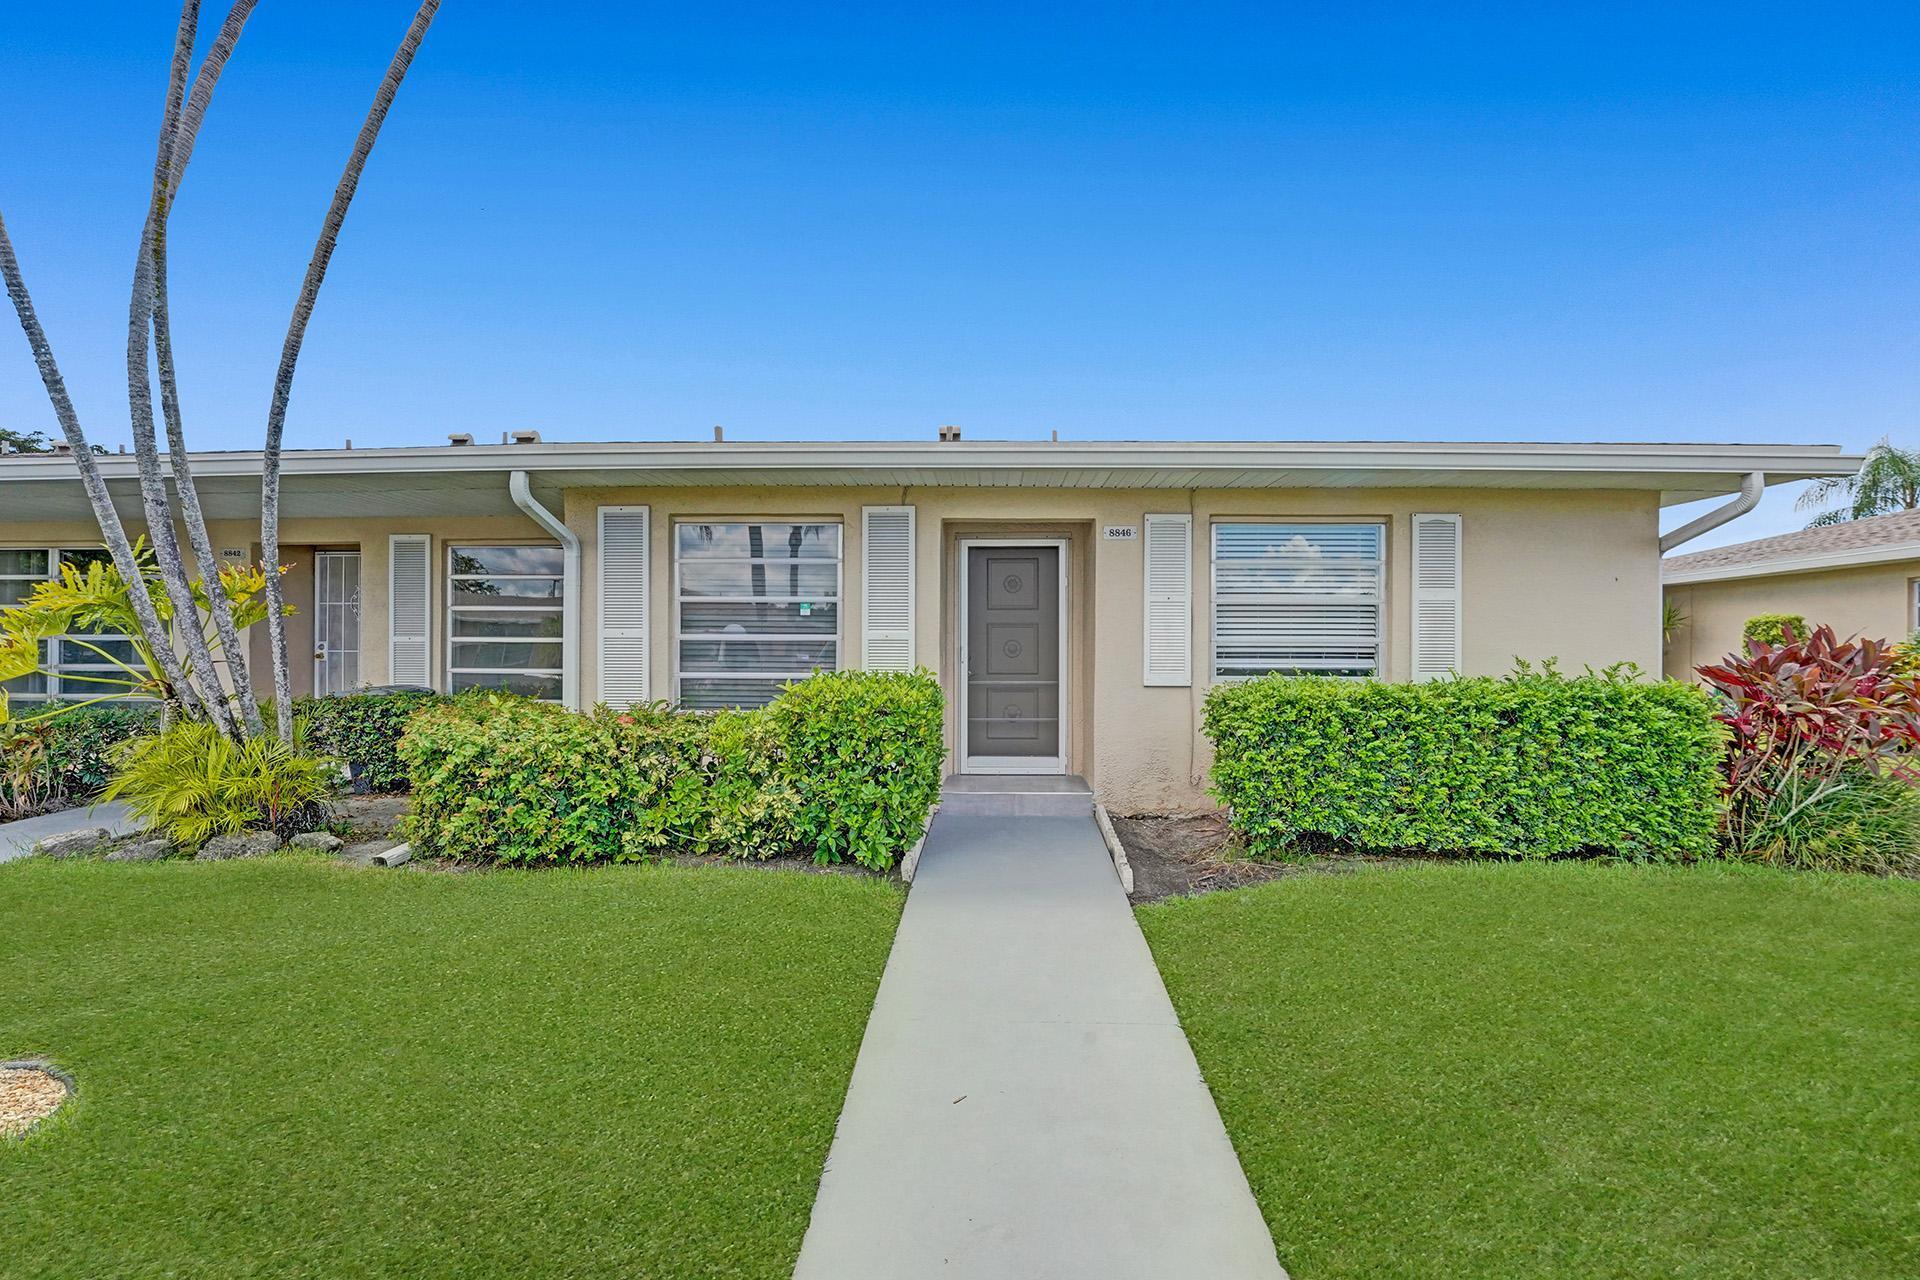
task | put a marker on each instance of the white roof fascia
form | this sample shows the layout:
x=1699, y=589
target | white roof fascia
x=1845, y=558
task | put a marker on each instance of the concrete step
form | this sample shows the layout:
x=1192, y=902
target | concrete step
x=976, y=795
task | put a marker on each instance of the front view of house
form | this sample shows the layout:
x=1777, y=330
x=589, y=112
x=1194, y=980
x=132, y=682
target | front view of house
x=1075, y=599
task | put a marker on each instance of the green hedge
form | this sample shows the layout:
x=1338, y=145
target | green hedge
x=364, y=729
x=1534, y=765
x=81, y=743
x=1771, y=628
x=841, y=766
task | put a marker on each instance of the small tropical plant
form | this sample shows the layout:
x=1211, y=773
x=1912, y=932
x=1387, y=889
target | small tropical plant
x=1671, y=620
x=26, y=778
x=1888, y=481
x=1817, y=725
x=191, y=782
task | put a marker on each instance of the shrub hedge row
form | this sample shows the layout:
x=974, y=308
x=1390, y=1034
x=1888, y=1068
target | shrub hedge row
x=1533, y=765
x=363, y=730
x=842, y=766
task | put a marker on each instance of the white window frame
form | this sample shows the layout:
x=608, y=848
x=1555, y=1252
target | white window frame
x=1913, y=606
x=454, y=610
x=56, y=664
x=1213, y=589
x=838, y=601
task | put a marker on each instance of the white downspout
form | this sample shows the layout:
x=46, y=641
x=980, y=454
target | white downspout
x=1751, y=487
x=523, y=498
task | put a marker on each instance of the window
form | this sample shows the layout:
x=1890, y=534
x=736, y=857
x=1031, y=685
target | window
x=1913, y=612
x=755, y=607
x=1302, y=599
x=505, y=617
x=82, y=663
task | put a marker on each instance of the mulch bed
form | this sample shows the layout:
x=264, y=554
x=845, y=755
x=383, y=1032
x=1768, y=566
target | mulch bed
x=1186, y=854
x=28, y=1095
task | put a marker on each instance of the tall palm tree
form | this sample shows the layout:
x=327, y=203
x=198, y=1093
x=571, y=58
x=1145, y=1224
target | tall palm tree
x=192, y=681
x=296, y=334
x=1888, y=481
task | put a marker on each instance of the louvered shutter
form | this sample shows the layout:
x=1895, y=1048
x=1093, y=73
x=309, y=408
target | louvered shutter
x=1436, y=596
x=409, y=609
x=886, y=589
x=624, y=643
x=1168, y=652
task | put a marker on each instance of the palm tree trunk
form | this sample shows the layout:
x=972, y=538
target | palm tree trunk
x=231, y=650
x=186, y=131
x=112, y=532
x=296, y=334
x=202, y=673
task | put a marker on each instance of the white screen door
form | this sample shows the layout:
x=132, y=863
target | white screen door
x=336, y=622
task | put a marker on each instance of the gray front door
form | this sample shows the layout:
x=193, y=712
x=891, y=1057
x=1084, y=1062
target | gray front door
x=1012, y=659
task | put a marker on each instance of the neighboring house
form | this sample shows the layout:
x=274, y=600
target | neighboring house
x=1075, y=599
x=1861, y=577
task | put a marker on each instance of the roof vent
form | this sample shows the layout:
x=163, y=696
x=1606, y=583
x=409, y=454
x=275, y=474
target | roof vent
x=59, y=446
x=719, y=433
x=949, y=434
x=526, y=437
x=460, y=438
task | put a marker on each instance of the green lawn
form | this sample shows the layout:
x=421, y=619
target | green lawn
x=1497, y=1071
x=291, y=1068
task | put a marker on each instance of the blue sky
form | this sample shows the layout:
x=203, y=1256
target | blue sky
x=1176, y=221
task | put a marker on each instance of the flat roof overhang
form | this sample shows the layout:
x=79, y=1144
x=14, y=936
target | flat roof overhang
x=472, y=479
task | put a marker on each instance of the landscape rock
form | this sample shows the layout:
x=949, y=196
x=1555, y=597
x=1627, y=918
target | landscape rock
x=74, y=844
x=318, y=841
x=151, y=849
x=247, y=844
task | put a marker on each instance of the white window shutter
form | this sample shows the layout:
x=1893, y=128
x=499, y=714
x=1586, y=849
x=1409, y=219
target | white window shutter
x=1436, y=596
x=1168, y=649
x=623, y=606
x=409, y=609
x=886, y=589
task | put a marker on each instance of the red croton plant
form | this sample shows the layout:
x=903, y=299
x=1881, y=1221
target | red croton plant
x=1802, y=713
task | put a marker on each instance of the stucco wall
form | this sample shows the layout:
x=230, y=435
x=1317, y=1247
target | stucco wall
x=1871, y=600
x=1572, y=575
x=1567, y=574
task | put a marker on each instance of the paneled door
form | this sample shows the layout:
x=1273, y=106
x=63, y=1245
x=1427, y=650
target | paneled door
x=1012, y=657
x=336, y=622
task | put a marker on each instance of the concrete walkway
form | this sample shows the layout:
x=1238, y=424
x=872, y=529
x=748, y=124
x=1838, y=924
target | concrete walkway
x=17, y=838
x=1025, y=1105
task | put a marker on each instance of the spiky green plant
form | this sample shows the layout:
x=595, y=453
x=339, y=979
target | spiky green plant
x=192, y=783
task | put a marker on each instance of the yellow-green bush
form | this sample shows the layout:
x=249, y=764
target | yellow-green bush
x=1534, y=765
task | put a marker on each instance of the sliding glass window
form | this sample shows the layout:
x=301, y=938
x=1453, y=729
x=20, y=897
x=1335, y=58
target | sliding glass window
x=756, y=605
x=505, y=607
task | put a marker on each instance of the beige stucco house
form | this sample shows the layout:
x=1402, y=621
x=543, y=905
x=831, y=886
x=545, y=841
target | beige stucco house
x=1861, y=577
x=1076, y=600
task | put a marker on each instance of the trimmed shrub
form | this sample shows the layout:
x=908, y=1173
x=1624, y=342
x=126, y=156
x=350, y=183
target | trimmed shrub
x=1534, y=765
x=839, y=766
x=363, y=730
x=82, y=743
x=864, y=752
x=57, y=761
x=1772, y=628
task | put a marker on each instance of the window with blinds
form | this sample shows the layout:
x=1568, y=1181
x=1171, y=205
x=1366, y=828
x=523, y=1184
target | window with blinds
x=84, y=663
x=1297, y=598
x=756, y=606
x=505, y=619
